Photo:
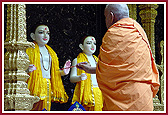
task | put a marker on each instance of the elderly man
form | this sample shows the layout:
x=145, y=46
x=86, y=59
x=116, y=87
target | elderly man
x=126, y=71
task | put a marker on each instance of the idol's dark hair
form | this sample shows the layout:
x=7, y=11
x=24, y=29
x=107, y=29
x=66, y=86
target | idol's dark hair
x=83, y=38
x=33, y=28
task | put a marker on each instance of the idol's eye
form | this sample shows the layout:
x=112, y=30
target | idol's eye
x=48, y=33
x=88, y=42
x=41, y=32
x=94, y=43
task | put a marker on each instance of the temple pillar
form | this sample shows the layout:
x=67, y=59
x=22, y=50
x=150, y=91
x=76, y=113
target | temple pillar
x=160, y=106
x=16, y=61
x=148, y=14
x=161, y=68
x=132, y=11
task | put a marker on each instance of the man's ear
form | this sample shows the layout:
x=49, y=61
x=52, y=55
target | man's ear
x=112, y=17
x=81, y=46
x=32, y=35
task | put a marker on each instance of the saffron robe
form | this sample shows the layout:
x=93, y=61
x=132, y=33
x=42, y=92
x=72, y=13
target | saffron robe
x=90, y=97
x=126, y=71
x=45, y=89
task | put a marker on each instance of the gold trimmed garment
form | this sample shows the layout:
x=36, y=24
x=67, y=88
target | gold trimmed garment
x=45, y=89
x=90, y=97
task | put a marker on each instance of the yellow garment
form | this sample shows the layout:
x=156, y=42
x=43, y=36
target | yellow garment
x=38, y=85
x=98, y=98
x=84, y=92
x=46, y=102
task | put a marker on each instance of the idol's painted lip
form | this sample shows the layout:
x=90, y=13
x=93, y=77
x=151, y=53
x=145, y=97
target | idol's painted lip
x=44, y=39
x=92, y=48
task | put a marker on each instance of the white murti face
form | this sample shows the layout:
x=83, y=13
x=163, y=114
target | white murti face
x=42, y=35
x=89, y=45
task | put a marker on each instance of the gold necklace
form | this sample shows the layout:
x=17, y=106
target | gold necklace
x=43, y=64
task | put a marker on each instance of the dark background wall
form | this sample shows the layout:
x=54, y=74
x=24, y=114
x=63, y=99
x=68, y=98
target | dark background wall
x=68, y=23
x=159, y=31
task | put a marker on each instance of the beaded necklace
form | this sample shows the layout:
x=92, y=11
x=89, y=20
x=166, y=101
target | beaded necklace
x=43, y=63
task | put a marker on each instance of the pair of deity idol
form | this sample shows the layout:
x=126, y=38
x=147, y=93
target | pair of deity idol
x=45, y=75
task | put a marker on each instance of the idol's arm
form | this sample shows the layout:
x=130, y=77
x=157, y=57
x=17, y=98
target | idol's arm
x=73, y=75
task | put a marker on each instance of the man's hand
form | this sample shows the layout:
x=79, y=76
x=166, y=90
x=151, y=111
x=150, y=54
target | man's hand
x=86, y=67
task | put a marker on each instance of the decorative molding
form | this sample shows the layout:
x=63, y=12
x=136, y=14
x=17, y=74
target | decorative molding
x=161, y=68
x=132, y=11
x=148, y=14
x=16, y=61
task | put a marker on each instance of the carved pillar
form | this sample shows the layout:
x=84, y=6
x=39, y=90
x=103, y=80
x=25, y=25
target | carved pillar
x=16, y=61
x=132, y=11
x=160, y=67
x=148, y=15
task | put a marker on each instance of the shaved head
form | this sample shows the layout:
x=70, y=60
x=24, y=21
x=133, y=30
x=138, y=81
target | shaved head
x=115, y=12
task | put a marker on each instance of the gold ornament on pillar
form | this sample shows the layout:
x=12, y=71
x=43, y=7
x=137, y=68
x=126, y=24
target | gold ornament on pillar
x=132, y=11
x=160, y=106
x=16, y=61
x=148, y=14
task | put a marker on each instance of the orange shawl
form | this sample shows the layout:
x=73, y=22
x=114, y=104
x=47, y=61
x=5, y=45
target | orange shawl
x=126, y=71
